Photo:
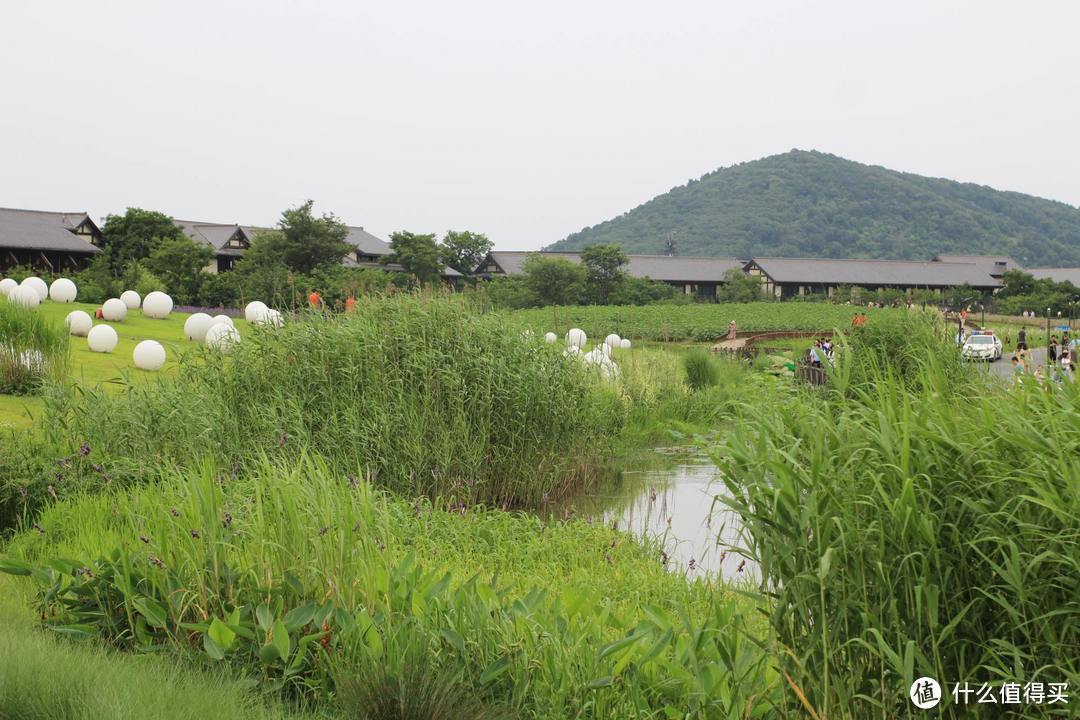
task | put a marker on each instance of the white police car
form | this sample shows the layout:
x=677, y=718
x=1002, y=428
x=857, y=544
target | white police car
x=981, y=345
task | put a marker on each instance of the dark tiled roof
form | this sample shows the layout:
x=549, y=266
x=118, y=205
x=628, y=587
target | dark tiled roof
x=814, y=271
x=42, y=230
x=1058, y=274
x=672, y=268
x=990, y=264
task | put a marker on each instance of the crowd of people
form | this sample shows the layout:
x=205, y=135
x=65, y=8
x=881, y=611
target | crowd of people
x=1061, y=354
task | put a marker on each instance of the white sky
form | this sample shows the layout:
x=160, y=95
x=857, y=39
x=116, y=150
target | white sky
x=526, y=123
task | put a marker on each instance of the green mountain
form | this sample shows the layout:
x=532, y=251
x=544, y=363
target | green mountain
x=812, y=204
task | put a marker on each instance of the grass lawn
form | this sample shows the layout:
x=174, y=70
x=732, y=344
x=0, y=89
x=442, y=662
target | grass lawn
x=90, y=368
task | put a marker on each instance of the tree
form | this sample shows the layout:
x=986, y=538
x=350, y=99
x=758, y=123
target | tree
x=464, y=250
x=554, y=281
x=303, y=242
x=738, y=287
x=603, y=270
x=418, y=254
x=179, y=262
x=134, y=235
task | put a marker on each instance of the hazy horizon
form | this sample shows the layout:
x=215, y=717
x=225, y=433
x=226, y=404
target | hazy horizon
x=524, y=123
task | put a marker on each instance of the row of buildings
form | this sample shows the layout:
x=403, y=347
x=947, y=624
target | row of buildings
x=57, y=242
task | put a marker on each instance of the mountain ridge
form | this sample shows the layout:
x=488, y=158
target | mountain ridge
x=813, y=204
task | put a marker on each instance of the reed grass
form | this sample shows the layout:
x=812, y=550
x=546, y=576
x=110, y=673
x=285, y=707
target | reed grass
x=32, y=350
x=911, y=521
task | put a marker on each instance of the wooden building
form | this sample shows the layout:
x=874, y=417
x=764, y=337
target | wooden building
x=51, y=242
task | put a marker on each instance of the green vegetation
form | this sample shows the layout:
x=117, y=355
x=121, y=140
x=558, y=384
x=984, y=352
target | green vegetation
x=701, y=323
x=33, y=348
x=1022, y=291
x=811, y=204
x=911, y=521
x=701, y=371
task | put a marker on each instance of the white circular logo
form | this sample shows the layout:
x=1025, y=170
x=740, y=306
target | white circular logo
x=925, y=693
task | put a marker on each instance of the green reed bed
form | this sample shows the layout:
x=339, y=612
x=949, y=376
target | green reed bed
x=33, y=349
x=431, y=398
x=912, y=521
x=311, y=580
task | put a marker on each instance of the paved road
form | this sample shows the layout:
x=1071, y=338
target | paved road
x=1003, y=367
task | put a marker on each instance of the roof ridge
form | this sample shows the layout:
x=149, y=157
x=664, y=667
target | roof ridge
x=872, y=260
x=46, y=212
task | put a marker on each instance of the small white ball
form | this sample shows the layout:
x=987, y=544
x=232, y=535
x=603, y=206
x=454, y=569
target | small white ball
x=612, y=341
x=550, y=337
x=624, y=344
x=102, y=338
x=149, y=355
x=78, y=323
x=222, y=320
x=157, y=305
x=114, y=310
x=63, y=291
x=195, y=327
x=25, y=296
x=222, y=337
x=7, y=285
x=576, y=338
x=254, y=310
x=131, y=299
x=39, y=287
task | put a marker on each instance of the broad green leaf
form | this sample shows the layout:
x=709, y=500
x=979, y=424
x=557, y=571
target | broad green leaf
x=281, y=639
x=151, y=610
x=455, y=640
x=78, y=632
x=268, y=654
x=220, y=633
x=212, y=648
x=494, y=670
x=15, y=567
x=299, y=617
x=264, y=617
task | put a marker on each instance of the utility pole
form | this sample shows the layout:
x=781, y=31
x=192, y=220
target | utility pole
x=669, y=244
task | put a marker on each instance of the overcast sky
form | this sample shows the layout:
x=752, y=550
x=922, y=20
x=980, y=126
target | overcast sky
x=526, y=123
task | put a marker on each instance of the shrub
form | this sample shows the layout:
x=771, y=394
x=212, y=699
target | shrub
x=701, y=370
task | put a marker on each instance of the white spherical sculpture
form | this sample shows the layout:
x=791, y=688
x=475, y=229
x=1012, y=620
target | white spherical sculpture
x=78, y=323
x=612, y=341
x=114, y=310
x=272, y=318
x=576, y=338
x=222, y=337
x=221, y=320
x=624, y=344
x=39, y=287
x=550, y=337
x=131, y=299
x=157, y=305
x=63, y=291
x=7, y=285
x=25, y=296
x=255, y=310
x=149, y=355
x=102, y=338
x=195, y=327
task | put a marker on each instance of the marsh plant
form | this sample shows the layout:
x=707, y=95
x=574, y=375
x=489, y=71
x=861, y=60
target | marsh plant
x=701, y=370
x=32, y=350
x=429, y=397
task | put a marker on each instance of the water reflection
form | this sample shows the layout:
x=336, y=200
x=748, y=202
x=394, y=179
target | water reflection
x=678, y=505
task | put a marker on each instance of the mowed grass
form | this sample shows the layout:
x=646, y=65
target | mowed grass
x=90, y=368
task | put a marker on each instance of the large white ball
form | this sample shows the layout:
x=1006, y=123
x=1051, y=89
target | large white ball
x=576, y=338
x=7, y=285
x=114, y=310
x=157, y=305
x=195, y=327
x=222, y=337
x=78, y=323
x=550, y=337
x=254, y=310
x=102, y=338
x=131, y=299
x=624, y=344
x=63, y=291
x=612, y=341
x=149, y=355
x=222, y=320
x=272, y=318
x=25, y=296
x=39, y=287
x=603, y=351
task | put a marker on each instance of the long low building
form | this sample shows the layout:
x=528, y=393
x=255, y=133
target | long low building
x=790, y=277
x=1058, y=275
x=693, y=275
x=53, y=242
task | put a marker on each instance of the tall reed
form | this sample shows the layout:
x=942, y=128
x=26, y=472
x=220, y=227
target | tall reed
x=32, y=350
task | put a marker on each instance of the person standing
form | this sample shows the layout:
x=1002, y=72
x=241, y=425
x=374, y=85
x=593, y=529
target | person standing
x=1052, y=349
x=732, y=330
x=1021, y=339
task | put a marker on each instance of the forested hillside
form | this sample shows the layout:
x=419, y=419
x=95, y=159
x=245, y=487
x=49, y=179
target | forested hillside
x=819, y=205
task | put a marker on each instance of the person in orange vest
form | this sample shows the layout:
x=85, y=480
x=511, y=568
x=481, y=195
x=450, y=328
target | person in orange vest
x=315, y=300
x=350, y=303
